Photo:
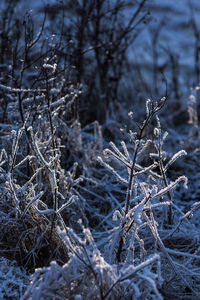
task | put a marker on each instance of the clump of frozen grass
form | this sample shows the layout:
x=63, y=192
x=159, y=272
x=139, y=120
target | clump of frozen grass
x=32, y=206
x=88, y=276
x=13, y=280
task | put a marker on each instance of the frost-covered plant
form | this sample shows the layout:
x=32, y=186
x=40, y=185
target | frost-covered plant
x=41, y=165
x=148, y=191
x=36, y=190
x=39, y=180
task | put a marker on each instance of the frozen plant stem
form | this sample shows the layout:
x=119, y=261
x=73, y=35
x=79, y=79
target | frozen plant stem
x=150, y=113
x=51, y=168
x=54, y=187
x=161, y=167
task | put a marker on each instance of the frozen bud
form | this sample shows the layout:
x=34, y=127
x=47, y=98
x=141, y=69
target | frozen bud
x=147, y=106
x=130, y=114
x=192, y=99
x=156, y=132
